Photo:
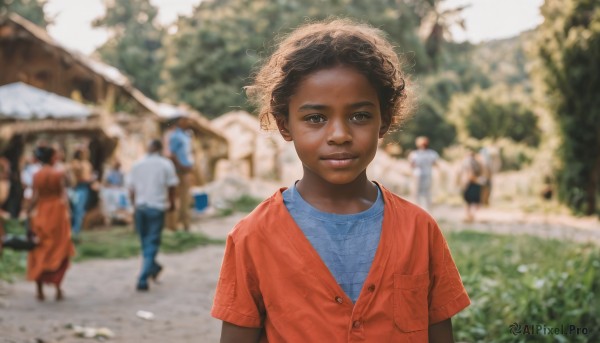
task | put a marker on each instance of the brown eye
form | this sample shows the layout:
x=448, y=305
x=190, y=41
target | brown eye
x=315, y=118
x=360, y=116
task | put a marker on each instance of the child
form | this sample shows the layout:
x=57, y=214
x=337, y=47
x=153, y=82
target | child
x=336, y=257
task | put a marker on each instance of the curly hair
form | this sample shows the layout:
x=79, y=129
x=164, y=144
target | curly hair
x=324, y=45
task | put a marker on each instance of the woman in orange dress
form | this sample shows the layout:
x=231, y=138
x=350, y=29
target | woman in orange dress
x=49, y=222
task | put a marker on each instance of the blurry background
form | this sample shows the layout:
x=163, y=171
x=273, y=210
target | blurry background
x=519, y=79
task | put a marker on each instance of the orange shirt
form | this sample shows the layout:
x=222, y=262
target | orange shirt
x=272, y=277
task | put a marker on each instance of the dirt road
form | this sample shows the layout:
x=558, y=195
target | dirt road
x=101, y=293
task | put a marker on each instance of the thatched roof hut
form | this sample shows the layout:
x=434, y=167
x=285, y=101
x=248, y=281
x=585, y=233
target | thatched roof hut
x=29, y=55
x=28, y=111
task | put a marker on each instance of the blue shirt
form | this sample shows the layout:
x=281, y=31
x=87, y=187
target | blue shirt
x=180, y=145
x=115, y=178
x=345, y=242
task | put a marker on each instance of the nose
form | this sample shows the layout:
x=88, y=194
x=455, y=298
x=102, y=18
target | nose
x=339, y=132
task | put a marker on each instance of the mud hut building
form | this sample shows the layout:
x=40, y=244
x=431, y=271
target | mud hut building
x=124, y=115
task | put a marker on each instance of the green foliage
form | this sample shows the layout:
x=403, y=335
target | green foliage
x=32, y=10
x=527, y=280
x=505, y=61
x=136, y=43
x=211, y=57
x=113, y=243
x=494, y=113
x=123, y=242
x=568, y=44
x=514, y=156
x=12, y=262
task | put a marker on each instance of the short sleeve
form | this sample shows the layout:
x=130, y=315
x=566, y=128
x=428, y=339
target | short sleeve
x=237, y=299
x=447, y=295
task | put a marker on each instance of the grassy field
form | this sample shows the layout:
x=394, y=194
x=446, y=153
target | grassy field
x=546, y=288
x=534, y=284
x=115, y=242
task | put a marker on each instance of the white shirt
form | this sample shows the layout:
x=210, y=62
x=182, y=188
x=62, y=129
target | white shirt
x=423, y=161
x=150, y=179
x=27, y=178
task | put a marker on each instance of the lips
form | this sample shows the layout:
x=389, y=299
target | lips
x=339, y=159
x=339, y=156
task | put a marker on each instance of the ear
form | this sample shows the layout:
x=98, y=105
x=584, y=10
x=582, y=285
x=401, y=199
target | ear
x=385, y=125
x=283, y=126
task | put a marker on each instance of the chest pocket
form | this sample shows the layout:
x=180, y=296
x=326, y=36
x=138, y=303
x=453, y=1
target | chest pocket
x=411, y=308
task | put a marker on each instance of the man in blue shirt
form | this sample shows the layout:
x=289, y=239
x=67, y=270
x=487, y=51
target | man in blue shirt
x=180, y=148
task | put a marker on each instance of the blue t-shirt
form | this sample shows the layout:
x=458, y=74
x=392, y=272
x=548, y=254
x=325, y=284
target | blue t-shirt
x=180, y=144
x=345, y=242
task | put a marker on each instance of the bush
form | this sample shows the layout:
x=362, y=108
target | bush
x=526, y=280
x=495, y=113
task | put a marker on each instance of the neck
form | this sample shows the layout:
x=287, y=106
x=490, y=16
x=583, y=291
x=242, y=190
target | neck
x=352, y=197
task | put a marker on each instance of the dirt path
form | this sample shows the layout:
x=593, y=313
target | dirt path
x=101, y=293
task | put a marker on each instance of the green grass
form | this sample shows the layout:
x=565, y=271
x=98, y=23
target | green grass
x=111, y=243
x=527, y=280
x=123, y=242
x=13, y=263
x=244, y=203
x=517, y=278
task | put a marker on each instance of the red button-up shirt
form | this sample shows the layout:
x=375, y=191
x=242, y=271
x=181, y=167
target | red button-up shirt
x=272, y=277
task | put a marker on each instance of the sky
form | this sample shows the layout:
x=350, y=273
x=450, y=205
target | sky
x=485, y=19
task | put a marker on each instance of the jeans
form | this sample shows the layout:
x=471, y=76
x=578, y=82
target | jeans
x=149, y=224
x=79, y=198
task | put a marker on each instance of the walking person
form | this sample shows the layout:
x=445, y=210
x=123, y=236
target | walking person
x=422, y=161
x=470, y=178
x=180, y=148
x=335, y=257
x=152, y=183
x=48, y=214
x=81, y=176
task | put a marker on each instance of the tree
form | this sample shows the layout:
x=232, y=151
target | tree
x=136, y=43
x=32, y=10
x=211, y=57
x=568, y=45
x=430, y=119
x=495, y=113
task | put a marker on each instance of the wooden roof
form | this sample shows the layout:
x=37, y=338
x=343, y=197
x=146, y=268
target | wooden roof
x=14, y=28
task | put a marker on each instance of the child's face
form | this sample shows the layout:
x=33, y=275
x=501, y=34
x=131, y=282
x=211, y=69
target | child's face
x=335, y=122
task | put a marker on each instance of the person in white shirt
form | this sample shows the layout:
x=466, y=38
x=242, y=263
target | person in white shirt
x=422, y=161
x=152, y=183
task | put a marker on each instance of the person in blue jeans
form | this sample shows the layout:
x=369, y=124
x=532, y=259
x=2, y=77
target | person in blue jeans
x=152, y=183
x=82, y=176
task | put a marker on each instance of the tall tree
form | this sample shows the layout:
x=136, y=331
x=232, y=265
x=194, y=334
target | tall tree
x=211, y=56
x=135, y=46
x=32, y=10
x=434, y=25
x=569, y=47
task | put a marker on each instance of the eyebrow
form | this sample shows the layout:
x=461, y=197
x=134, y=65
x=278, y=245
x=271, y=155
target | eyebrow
x=319, y=107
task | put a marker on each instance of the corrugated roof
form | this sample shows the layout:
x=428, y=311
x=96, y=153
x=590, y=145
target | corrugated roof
x=21, y=101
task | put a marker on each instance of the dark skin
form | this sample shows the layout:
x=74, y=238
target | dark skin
x=335, y=122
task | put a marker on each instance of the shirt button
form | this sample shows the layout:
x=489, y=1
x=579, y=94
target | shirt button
x=356, y=324
x=371, y=288
x=339, y=300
